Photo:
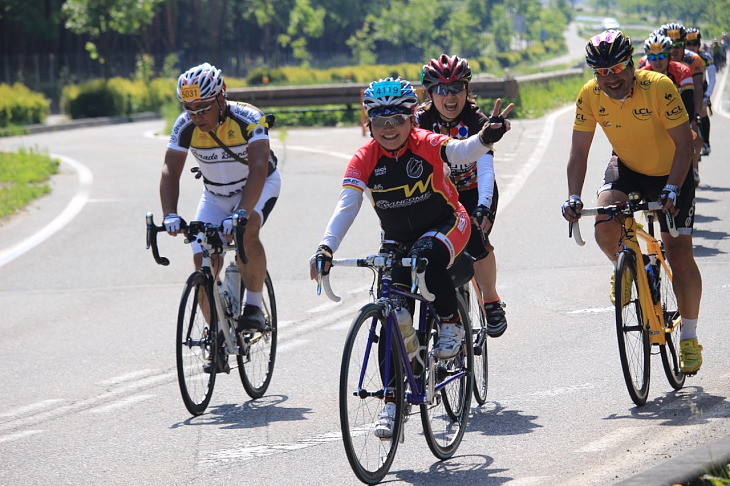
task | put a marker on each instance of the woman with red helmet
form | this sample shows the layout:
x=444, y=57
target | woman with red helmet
x=453, y=112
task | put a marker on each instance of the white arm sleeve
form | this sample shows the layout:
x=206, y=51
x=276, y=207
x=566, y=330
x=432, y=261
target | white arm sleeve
x=485, y=179
x=710, y=70
x=347, y=208
x=464, y=151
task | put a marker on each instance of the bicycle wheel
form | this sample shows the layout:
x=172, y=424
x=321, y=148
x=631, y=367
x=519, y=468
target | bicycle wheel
x=633, y=339
x=444, y=420
x=258, y=350
x=362, y=396
x=670, y=351
x=196, y=331
x=479, y=335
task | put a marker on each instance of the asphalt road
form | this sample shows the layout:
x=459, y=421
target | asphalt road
x=87, y=321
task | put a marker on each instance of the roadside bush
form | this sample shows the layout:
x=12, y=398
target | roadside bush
x=93, y=99
x=21, y=106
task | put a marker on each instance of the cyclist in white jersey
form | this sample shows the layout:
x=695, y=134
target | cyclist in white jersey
x=230, y=143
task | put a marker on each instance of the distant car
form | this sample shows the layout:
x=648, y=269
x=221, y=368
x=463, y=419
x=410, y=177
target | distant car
x=610, y=23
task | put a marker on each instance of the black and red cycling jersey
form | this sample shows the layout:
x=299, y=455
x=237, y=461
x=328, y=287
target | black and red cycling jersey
x=411, y=190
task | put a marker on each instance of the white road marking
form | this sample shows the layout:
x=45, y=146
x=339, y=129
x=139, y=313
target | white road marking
x=73, y=208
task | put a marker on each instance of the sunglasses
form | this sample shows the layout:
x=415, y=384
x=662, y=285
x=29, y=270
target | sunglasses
x=201, y=111
x=656, y=57
x=392, y=120
x=447, y=89
x=677, y=45
x=615, y=69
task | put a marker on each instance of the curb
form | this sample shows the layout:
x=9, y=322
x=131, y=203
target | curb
x=89, y=122
x=687, y=469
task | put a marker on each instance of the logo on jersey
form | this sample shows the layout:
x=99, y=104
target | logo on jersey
x=379, y=171
x=669, y=97
x=414, y=168
x=675, y=113
x=602, y=111
x=606, y=124
x=642, y=114
x=580, y=119
x=644, y=84
x=352, y=172
x=596, y=90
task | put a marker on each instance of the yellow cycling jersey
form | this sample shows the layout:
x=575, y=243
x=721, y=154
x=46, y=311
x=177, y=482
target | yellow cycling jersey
x=637, y=126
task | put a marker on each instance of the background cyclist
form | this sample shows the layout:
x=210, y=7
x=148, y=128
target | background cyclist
x=244, y=185
x=693, y=43
x=644, y=119
x=678, y=34
x=453, y=112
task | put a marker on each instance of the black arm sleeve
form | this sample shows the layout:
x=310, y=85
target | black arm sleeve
x=688, y=96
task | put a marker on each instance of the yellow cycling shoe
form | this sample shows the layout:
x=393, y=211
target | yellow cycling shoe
x=628, y=281
x=690, y=356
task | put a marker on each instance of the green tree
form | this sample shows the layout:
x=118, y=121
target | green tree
x=101, y=19
x=305, y=22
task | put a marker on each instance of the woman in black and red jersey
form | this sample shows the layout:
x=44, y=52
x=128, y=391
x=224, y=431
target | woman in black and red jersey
x=406, y=171
x=453, y=112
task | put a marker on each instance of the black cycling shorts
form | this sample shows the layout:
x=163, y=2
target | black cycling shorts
x=618, y=177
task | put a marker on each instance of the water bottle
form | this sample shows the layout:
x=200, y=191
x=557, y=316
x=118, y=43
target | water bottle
x=405, y=324
x=652, y=273
x=233, y=287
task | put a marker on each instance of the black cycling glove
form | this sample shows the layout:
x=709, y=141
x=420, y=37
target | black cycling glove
x=489, y=135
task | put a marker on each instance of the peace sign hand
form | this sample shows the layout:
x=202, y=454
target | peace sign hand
x=497, y=125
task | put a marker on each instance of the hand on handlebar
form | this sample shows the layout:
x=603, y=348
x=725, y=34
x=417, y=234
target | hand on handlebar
x=321, y=262
x=668, y=199
x=483, y=217
x=172, y=223
x=571, y=208
x=240, y=216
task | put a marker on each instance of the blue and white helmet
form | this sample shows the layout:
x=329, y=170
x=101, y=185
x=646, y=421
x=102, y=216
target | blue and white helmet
x=200, y=83
x=389, y=96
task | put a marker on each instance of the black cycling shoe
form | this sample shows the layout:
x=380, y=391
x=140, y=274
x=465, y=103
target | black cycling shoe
x=222, y=366
x=251, y=320
x=496, y=320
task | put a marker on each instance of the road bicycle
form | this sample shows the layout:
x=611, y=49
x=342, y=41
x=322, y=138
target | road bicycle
x=647, y=315
x=462, y=274
x=206, y=324
x=472, y=296
x=375, y=368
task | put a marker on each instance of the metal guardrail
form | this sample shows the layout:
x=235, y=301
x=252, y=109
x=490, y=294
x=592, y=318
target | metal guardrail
x=350, y=94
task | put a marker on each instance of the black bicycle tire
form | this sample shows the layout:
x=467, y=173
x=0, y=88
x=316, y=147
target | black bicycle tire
x=670, y=351
x=458, y=415
x=633, y=338
x=359, y=441
x=196, y=386
x=248, y=366
x=479, y=336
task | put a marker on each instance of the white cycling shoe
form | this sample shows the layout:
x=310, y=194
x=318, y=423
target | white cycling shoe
x=449, y=341
x=386, y=421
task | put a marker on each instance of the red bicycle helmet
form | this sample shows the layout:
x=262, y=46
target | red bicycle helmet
x=445, y=70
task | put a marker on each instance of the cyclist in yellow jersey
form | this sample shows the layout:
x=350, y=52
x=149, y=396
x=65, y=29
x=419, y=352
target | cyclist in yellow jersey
x=646, y=123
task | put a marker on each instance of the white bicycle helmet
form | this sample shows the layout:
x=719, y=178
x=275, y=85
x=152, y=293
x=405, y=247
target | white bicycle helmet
x=389, y=96
x=657, y=43
x=200, y=83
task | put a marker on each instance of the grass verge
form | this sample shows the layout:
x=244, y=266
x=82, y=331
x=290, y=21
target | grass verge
x=24, y=176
